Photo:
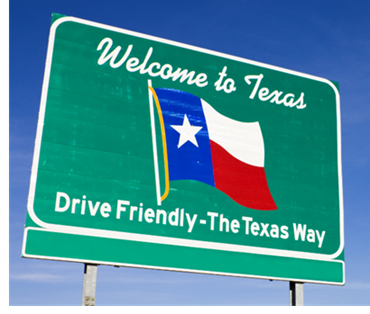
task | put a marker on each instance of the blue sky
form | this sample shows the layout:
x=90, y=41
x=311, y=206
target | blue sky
x=328, y=39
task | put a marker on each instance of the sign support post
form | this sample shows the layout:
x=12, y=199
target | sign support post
x=296, y=293
x=89, y=287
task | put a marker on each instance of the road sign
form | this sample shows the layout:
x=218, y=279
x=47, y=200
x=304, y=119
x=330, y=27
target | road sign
x=156, y=154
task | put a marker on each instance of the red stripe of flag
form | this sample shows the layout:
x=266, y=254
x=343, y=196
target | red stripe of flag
x=245, y=184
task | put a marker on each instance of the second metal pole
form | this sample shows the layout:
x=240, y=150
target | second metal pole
x=296, y=293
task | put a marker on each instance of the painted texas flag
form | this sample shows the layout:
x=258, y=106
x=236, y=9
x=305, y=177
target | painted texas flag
x=204, y=145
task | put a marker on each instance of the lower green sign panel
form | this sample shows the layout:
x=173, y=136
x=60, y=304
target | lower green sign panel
x=79, y=248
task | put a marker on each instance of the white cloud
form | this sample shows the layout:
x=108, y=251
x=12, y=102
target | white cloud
x=38, y=277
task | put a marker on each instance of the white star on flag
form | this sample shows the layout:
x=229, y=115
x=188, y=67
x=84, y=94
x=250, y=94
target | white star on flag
x=187, y=132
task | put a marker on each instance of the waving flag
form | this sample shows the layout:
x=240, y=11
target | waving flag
x=203, y=145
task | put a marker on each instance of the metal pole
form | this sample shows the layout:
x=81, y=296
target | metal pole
x=296, y=293
x=89, y=287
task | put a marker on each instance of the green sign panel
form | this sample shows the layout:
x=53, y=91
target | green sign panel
x=156, y=154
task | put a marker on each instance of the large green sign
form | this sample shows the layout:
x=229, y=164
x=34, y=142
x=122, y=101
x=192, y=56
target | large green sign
x=156, y=154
